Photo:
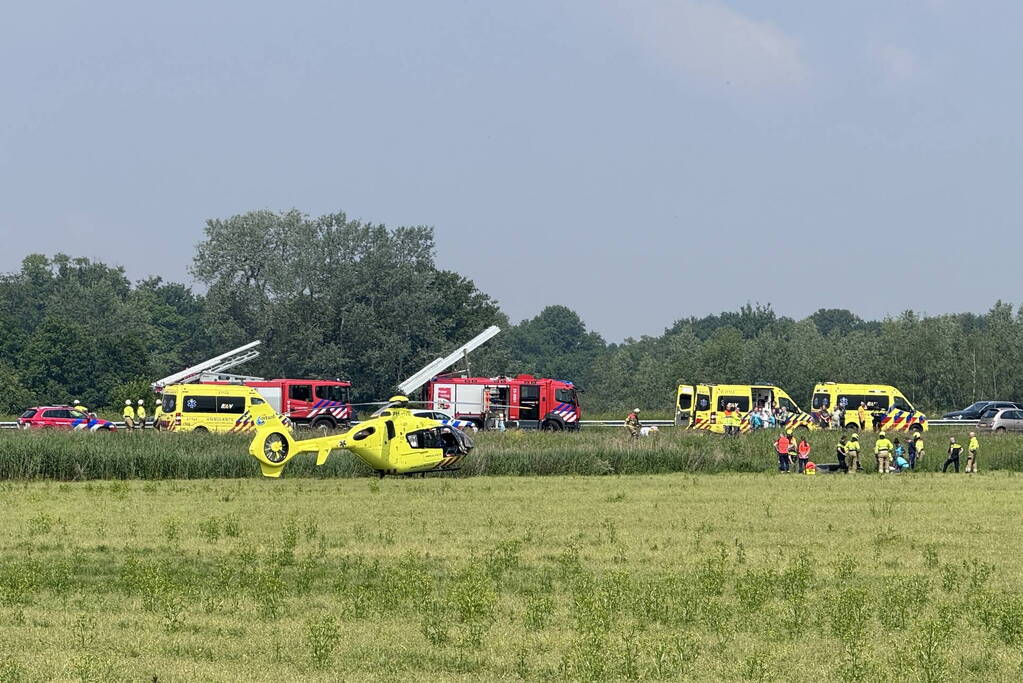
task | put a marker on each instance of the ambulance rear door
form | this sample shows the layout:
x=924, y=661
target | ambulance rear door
x=684, y=404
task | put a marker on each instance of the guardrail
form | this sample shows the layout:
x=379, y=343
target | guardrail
x=671, y=423
x=613, y=423
x=119, y=425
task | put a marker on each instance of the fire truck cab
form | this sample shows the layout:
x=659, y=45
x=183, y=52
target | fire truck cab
x=527, y=402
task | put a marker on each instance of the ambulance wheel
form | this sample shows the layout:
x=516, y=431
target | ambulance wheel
x=275, y=447
x=201, y=430
x=324, y=424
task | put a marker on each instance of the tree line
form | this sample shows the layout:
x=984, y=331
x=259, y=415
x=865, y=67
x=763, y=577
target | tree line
x=335, y=297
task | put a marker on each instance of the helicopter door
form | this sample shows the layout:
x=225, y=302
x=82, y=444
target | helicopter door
x=529, y=406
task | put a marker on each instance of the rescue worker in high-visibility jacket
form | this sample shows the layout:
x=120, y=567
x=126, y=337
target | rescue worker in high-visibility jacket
x=140, y=414
x=883, y=450
x=729, y=420
x=852, y=454
x=77, y=405
x=633, y=424
x=971, y=457
x=129, y=414
x=840, y=451
x=781, y=447
x=861, y=416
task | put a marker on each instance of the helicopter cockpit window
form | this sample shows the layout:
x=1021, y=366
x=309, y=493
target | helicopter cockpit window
x=363, y=433
x=424, y=438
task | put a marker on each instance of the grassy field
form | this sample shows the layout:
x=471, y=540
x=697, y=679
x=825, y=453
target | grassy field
x=731, y=577
x=149, y=455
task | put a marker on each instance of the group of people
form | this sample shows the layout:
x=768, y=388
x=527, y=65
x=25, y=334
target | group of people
x=134, y=418
x=890, y=456
x=868, y=416
x=765, y=415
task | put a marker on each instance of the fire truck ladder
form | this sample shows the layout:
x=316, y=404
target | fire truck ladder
x=441, y=364
x=214, y=369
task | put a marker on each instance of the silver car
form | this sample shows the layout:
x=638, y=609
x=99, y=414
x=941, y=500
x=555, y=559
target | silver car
x=1001, y=420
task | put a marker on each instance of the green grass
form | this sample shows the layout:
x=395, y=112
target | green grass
x=731, y=577
x=149, y=455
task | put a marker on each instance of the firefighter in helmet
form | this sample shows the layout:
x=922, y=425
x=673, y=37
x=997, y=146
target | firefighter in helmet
x=129, y=414
x=633, y=424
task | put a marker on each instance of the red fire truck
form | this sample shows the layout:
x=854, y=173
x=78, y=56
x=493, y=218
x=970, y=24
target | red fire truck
x=527, y=402
x=321, y=404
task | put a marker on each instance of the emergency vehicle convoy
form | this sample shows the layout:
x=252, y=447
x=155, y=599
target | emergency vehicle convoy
x=321, y=404
x=704, y=406
x=524, y=401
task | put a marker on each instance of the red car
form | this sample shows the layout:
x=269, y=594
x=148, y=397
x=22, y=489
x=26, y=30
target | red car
x=62, y=417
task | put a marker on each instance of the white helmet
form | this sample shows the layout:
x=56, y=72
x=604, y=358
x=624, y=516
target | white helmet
x=75, y=402
x=141, y=401
x=127, y=402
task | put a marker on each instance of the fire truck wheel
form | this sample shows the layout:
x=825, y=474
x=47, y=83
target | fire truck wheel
x=553, y=426
x=323, y=424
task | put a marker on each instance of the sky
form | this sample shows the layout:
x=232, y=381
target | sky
x=638, y=161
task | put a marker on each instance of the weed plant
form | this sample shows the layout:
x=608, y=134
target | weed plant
x=596, y=451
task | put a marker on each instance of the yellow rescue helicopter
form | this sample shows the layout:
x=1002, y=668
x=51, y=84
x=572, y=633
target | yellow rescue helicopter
x=392, y=441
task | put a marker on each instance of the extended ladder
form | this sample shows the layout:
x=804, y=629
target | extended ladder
x=214, y=369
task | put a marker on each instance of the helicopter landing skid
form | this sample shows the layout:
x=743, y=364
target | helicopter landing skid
x=439, y=470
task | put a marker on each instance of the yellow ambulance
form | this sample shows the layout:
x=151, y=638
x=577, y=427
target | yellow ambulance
x=218, y=408
x=702, y=406
x=899, y=413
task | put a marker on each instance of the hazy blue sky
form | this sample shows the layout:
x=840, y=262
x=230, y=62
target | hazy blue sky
x=636, y=160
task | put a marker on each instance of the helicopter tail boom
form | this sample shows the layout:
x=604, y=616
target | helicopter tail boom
x=273, y=446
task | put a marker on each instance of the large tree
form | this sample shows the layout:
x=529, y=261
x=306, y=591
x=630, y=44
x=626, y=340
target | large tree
x=334, y=297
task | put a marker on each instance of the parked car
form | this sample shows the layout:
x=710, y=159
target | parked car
x=445, y=419
x=62, y=417
x=974, y=411
x=1002, y=419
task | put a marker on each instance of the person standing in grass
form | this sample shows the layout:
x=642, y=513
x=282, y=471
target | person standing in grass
x=840, y=450
x=971, y=459
x=883, y=452
x=781, y=447
x=803, y=451
x=633, y=424
x=918, y=449
x=861, y=415
x=852, y=451
x=140, y=414
x=128, y=414
x=954, y=451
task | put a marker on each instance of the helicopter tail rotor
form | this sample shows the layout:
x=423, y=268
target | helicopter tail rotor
x=272, y=446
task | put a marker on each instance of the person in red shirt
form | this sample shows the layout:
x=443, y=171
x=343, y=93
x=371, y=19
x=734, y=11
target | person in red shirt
x=804, y=453
x=781, y=446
